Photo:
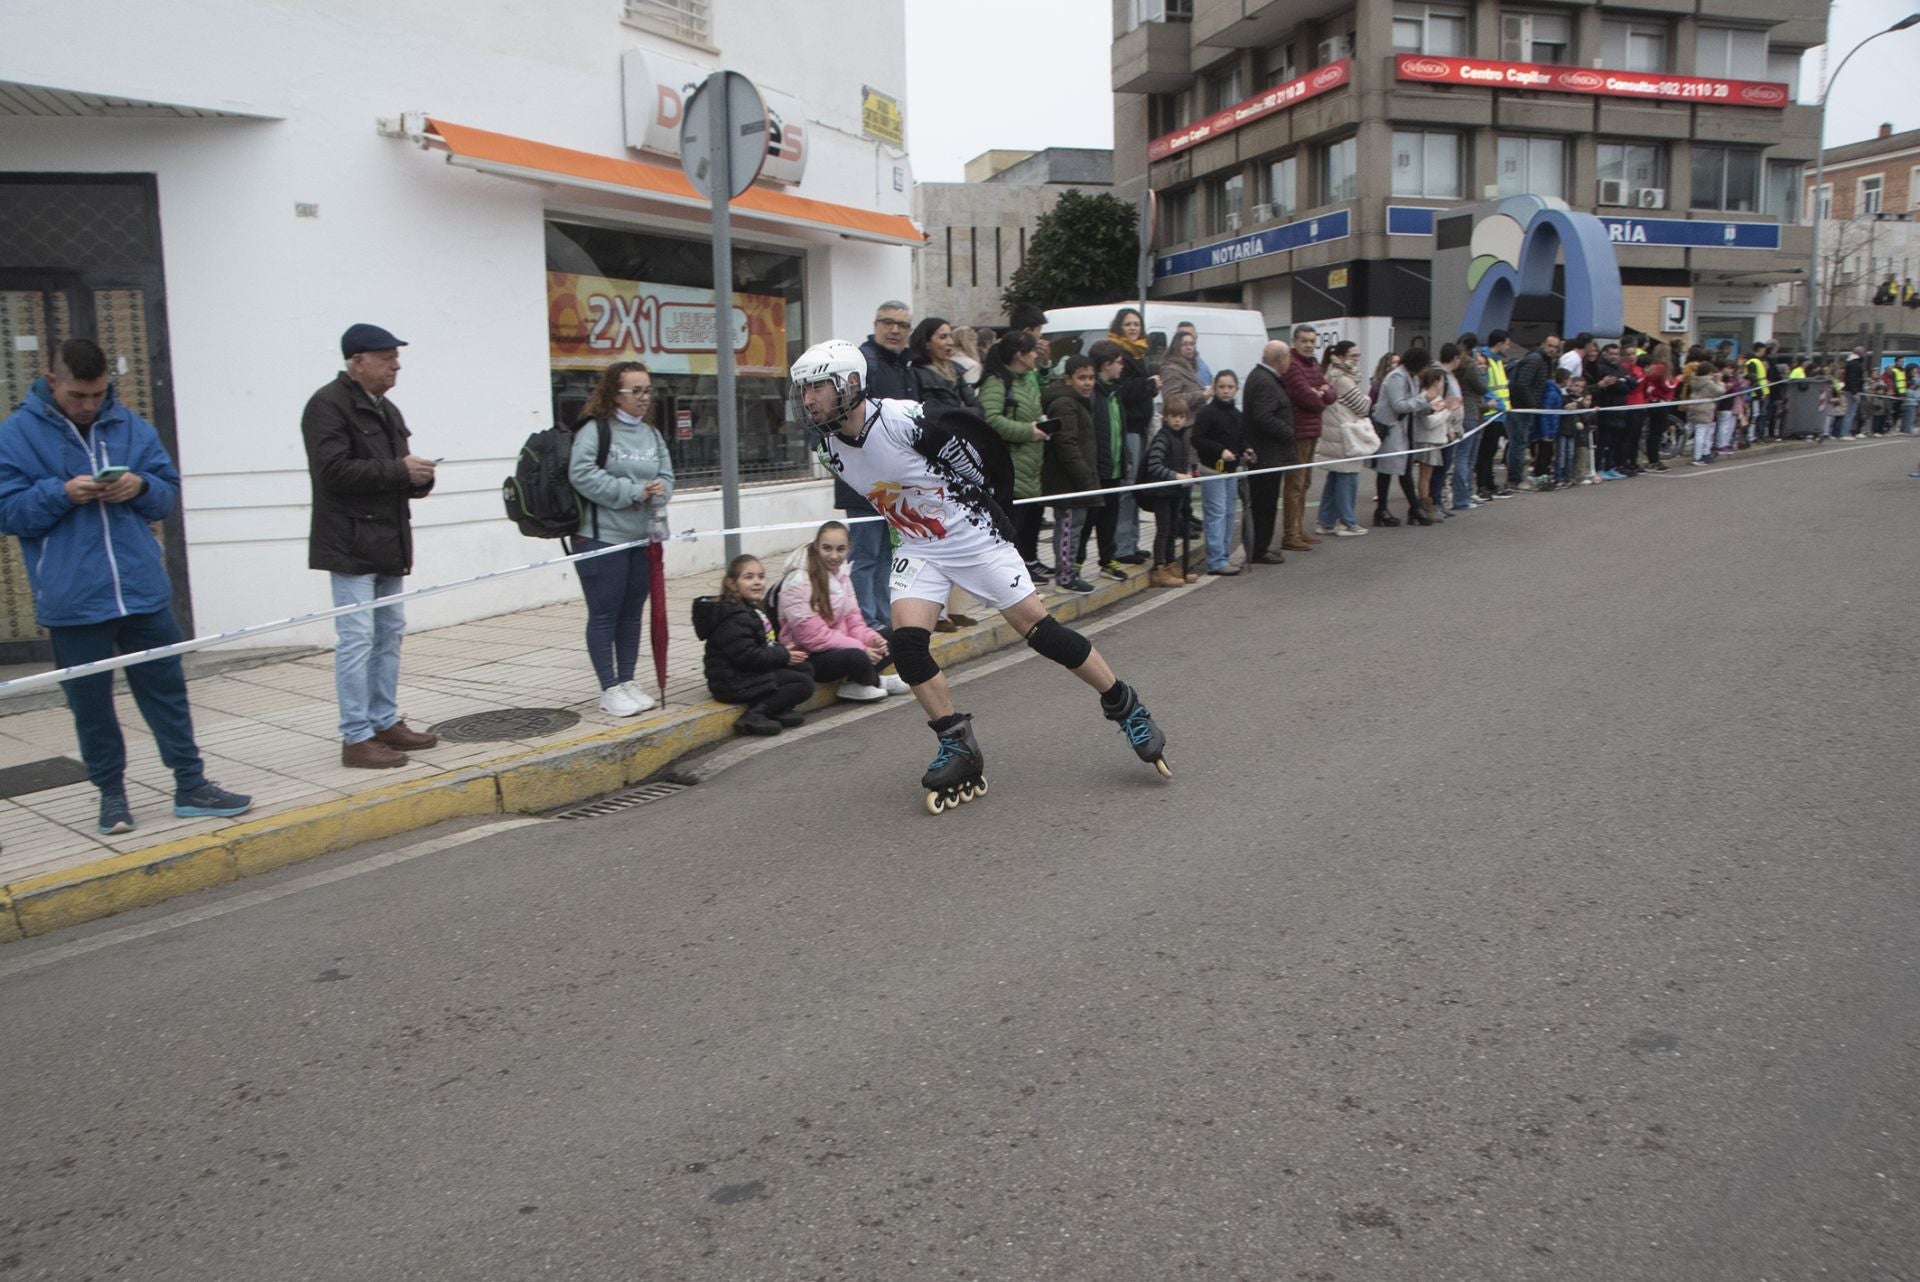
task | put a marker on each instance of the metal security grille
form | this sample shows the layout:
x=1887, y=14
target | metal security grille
x=505, y=723
x=59, y=223
x=614, y=803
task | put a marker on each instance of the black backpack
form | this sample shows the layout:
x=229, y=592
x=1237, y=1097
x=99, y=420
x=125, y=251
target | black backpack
x=539, y=497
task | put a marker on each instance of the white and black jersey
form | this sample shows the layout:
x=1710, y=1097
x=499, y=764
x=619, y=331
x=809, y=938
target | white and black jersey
x=931, y=482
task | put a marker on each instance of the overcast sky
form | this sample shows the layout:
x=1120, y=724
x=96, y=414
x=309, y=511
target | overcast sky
x=1028, y=74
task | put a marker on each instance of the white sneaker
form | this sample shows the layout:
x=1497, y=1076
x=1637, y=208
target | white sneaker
x=1348, y=532
x=853, y=692
x=1325, y=529
x=639, y=696
x=617, y=701
x=893, y=684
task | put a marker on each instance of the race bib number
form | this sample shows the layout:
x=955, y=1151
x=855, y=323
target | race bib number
x=905, y=570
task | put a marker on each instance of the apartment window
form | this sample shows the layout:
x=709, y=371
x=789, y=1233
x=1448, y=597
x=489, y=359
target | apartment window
x=1866, y=195
x=1177, y=218
x=1426, y=164
x=1438, y=29
x=1784, y=180
x=1533, y=166
x=1820, y=204
x=1282, y=189
x=1224, y=87
x=1726, y=179
x=1536, y=37
x=1913, y=187
x=1783, y=65
x=1225, y=211
x=1632, y=174
x=1141, y=11
x=1337, y=171
x=1633, y=46
x=1277, y=65
x=690, y=21
x=1738, y=53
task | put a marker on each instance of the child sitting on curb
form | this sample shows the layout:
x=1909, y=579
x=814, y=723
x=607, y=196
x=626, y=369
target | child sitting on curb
x=820, y=614
x=744, y=663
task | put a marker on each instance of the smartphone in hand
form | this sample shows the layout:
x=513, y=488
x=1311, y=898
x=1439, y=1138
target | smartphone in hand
x=108, y=475
x=1048, y=426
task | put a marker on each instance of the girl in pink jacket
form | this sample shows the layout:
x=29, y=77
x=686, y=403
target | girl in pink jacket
x=820, y=614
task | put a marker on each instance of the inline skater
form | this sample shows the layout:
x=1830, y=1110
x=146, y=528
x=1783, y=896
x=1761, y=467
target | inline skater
x=925, y=468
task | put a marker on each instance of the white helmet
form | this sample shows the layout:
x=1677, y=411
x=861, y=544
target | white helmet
x=835, y=361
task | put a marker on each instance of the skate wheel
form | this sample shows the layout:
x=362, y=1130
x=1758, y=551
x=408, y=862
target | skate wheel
x=980, y=789
x=1160, y=764
x=935, y=803
x=966, y=793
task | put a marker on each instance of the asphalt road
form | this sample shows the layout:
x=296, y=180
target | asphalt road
x=1536, y=899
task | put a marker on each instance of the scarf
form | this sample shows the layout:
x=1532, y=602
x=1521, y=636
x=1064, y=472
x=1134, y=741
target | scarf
x=631, y=420
x=1134, y=347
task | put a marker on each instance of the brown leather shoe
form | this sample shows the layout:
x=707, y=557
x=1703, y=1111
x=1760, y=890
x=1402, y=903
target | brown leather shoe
x=398, y=736
x=1293, y=544
x=371, y=754
x=1308, y=538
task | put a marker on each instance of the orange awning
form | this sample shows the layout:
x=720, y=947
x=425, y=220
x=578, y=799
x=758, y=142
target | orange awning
x=523, y=158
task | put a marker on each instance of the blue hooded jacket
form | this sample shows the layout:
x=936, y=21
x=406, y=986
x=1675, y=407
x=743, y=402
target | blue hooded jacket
x=99, y=560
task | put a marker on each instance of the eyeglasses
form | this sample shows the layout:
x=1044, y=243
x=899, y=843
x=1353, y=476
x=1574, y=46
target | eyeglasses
x=636, y=391
x=884, y=322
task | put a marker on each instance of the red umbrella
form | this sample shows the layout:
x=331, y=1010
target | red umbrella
x=657, y=634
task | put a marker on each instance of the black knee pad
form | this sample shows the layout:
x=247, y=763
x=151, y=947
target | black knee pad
x=1058, y=642
x=912, y=658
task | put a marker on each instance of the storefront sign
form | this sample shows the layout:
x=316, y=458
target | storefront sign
x=1545, y=78
x=1273, y=240
x=683, y=425
x=880, y=117
x=1278, y=98
x=593, y=321
x=1690, y=233
x=656, y=87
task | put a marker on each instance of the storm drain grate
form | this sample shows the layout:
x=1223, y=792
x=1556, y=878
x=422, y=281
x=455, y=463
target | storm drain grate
x=505, y=723
x=613, y=803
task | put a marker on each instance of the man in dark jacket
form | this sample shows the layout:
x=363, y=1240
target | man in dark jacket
x=1853, y=381
x=362, y=534
x=81, y=478
x=1527, y=380
x=1309, y=393
x=1268, y=413
x=1609, y=381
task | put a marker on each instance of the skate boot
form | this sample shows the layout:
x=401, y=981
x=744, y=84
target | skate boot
x=1149, y=742
x=956, y=774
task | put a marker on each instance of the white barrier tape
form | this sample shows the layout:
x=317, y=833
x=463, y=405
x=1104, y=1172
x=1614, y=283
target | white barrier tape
x=41, y=680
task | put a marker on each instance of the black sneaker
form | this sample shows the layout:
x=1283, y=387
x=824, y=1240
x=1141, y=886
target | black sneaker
x=1115, y=570
x=210, y=801
x=755, y=721
x=1078, y=586
x=1132, y=558
x=791, y=720
x=116, y=816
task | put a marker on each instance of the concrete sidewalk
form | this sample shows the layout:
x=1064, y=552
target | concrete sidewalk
x=269, y=730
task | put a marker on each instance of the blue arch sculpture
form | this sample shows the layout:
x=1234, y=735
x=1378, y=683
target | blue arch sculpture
x=1593, y=299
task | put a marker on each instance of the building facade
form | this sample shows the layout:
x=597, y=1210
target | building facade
x=498, y=185
x=977, y=230
x=1298, y=148
x=1869, y=203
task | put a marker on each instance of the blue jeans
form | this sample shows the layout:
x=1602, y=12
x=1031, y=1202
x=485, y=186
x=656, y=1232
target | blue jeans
x=1126, y=530
x=1519, y=437
x=1463, y=457
x=616, y=589
x=1563, y=446
x=869, y=557
x=1850, y=420
x=1338, y=494
x=1218, y=499
x=366, y=666
x=159, y=690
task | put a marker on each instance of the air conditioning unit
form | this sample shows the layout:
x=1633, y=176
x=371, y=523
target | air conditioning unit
x=1516, y=38
x=1263, y=213
x=1613, y=192
x=1333, y=50
x=1650, y=198
x=1233, y=221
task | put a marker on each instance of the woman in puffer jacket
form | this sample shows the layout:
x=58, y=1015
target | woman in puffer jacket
x=1347, y=439
x=820, y=614
x=744, y=662
x=1010, y=396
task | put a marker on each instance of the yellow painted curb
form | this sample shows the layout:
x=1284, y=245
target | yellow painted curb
x=536, y=780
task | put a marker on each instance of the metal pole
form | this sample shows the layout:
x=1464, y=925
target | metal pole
x=719, y=127
x=1809, y=327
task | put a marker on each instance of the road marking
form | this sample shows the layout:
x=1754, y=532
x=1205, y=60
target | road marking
x=728, y=758
x=1823, y=452
x=251, y=898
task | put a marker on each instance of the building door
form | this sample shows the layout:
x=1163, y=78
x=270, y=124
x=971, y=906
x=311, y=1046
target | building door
x=80, y=256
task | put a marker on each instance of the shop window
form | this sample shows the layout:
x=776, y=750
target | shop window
x=1636, y=45
x=1533, y=166
x=1726, y=179
x=616, y=294
x=1338, y=181
x=1426, y=164
x=1437, y=29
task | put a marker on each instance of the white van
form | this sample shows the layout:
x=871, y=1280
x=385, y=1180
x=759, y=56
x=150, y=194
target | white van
x=1229, y=337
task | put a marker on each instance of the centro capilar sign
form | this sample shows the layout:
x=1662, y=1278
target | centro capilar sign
x=1546, y=78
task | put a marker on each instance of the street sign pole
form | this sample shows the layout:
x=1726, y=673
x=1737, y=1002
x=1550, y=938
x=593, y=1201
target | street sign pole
x=723, y=145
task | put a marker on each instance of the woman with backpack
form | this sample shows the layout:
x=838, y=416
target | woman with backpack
x=623, y=472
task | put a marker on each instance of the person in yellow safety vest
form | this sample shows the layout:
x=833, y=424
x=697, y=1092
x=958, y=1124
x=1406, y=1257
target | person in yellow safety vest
x=1755, y=369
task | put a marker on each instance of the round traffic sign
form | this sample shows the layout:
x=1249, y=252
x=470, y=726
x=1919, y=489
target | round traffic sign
x=742, y=123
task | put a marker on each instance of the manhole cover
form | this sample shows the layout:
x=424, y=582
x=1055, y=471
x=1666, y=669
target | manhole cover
x=505, y=723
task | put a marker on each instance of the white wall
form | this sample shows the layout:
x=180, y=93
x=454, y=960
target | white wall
x=450, y=260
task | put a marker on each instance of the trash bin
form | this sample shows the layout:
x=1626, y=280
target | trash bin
x=1803, y=410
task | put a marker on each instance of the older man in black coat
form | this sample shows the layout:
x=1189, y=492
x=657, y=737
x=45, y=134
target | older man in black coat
x=1268, y=412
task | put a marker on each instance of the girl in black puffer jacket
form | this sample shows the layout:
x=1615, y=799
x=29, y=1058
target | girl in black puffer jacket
x=744, y=663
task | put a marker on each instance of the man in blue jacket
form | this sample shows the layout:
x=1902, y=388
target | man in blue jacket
x=81, y=479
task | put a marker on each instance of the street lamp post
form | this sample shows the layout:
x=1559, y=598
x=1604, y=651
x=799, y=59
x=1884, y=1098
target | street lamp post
x=1809, y=325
